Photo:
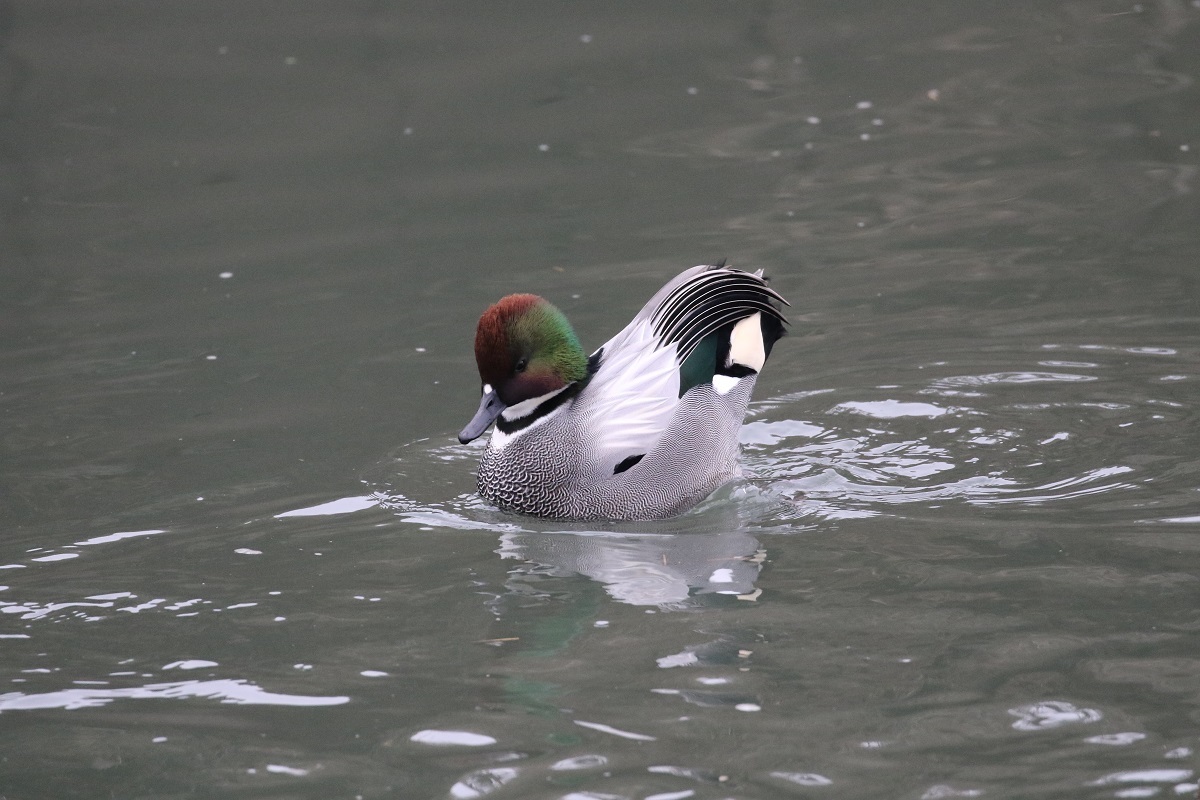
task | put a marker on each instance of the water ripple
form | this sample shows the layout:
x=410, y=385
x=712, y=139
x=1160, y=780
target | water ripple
x=1062, y=440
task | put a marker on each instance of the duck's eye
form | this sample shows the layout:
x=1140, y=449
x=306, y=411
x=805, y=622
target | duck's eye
x=521, y=365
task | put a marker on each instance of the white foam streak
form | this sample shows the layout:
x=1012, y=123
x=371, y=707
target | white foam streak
x=116, y=537
x=459, y=738
x=238, y=692
x=599, y=726
x=344, y=505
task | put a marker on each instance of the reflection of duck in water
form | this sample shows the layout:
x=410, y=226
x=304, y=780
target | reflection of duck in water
x=647, y=569
x=644, y=428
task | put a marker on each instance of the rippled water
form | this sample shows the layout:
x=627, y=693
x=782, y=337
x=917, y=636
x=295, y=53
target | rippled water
x=244, y=258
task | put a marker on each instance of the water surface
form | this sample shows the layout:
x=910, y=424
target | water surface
x=244, y=250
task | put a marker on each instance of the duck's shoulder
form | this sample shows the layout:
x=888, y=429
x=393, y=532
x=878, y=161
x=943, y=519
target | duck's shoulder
x=632, y=395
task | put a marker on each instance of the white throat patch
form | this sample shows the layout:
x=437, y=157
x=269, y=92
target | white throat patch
x=527, y=407
x=523, y=409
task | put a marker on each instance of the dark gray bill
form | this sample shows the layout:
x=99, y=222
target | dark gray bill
x=489, y=408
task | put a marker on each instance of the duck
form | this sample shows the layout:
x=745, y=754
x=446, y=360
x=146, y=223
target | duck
x=645, y=427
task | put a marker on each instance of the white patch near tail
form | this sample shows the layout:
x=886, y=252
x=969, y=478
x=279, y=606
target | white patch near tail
x=724, y=383
x=746, y=343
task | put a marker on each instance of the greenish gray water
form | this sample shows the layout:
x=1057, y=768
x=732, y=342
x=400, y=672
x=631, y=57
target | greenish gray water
x=244, y=248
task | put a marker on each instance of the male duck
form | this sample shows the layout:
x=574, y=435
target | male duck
x=644, y=428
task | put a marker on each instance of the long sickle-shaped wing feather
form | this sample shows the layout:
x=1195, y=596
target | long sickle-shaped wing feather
x=708, y=301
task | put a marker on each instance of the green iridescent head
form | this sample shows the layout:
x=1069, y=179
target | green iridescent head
x=526, y=348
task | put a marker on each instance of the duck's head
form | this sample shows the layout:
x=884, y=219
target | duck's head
x=525, y=349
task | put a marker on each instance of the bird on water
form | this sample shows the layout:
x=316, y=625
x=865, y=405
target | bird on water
x=646, y=426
